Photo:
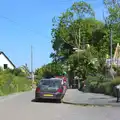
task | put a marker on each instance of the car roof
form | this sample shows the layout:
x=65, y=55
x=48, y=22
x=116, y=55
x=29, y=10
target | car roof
x=44, y=79
x=51, y=79
x=56, y=78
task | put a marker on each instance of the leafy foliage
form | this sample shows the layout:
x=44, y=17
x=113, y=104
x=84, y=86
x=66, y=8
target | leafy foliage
x=103, y=85
x=13, y=81
x=49, y=70
x=76, y=28
x=81, y=43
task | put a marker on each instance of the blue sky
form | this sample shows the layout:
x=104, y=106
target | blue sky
x=29, y=22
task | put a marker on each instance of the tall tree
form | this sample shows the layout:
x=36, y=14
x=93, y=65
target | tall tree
x=112, y=19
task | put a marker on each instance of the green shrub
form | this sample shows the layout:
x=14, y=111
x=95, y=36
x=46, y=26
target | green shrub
x=107, y=88
x=116, y=81
x=11, y=83
x=95, y=83
x=103, y=85
x=92, y=86
x=21, y=83
x=118, y=71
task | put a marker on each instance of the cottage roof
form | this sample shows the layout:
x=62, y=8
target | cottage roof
x=7, y=58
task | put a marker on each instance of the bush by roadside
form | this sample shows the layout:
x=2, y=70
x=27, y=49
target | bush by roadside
x=102, y=85
x=13, y=81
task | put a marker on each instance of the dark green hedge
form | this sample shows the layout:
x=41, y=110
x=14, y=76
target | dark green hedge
x=105, y=86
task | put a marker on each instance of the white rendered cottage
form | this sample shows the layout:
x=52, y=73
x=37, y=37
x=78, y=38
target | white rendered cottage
x=5, y=62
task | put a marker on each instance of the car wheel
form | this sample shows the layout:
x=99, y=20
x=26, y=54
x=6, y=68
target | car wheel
x=63, y=96
x=37, y=99
x=58, y=100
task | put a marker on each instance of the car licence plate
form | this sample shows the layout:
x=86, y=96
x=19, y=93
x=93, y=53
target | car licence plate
x=48, y=95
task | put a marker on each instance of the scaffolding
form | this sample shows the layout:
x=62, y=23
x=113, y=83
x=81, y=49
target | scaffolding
x=116, y=58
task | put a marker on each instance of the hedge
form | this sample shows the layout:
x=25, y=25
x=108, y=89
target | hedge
x=104, y=86
x=9, y=83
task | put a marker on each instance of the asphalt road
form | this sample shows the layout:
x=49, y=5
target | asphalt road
x=22, y=107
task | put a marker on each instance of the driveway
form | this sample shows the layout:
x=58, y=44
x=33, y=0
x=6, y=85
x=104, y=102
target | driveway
x=20, y=107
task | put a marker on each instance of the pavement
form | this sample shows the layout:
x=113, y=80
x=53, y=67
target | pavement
x=22, y=107
x=75, y=97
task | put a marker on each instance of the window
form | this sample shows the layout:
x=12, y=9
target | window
x=51, y=83
x=45, y=82
x=5, y=66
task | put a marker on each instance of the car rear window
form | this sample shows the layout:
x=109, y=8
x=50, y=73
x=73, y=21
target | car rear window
x=51, y=83
x=55, y=83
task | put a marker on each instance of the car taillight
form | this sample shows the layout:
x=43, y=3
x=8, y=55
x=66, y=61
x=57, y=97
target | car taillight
x=60, y=90
x=38, y=90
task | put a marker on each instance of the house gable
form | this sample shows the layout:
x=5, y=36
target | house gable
x=9, y=61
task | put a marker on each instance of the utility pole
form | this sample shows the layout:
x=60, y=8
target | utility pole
x=111, y=46
x=32, y=73
x=111, y=59
x=79, y=44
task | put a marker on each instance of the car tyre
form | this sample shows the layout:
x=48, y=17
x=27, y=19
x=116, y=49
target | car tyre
x=58, y=100
x=36, y=100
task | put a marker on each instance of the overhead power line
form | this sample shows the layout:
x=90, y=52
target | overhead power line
x=65, y=1
x=7, y=19
x=12, y=21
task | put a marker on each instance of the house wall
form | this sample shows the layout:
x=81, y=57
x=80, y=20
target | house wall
x=3, y=61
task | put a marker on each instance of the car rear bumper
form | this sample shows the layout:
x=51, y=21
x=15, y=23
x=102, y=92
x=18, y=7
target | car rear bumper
x=53, y=96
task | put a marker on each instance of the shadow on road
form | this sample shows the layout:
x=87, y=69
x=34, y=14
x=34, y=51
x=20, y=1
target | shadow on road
x=46, y=101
